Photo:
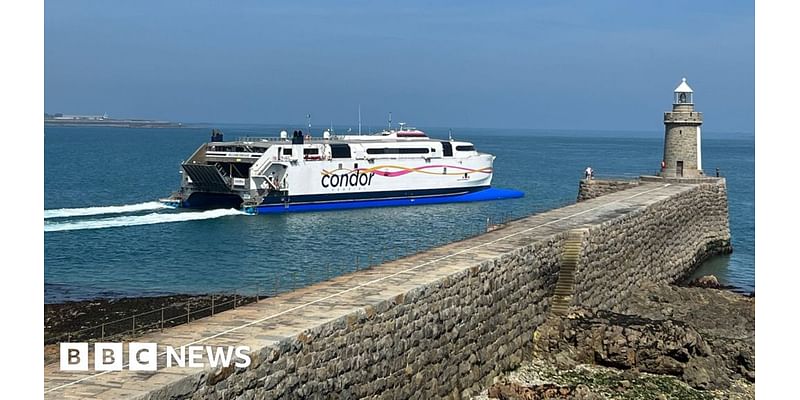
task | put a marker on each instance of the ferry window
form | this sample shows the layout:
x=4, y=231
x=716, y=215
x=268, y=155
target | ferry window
x=355, y=166
x=340, y=151
x=310, y=152
x=447, y=149
x=465, y=148
x=287, y=152
x=401, y=150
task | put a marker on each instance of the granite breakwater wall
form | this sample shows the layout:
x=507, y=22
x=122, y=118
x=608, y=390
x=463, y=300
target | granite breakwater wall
x=662, y=243
x=450, y=337
x=591, y=188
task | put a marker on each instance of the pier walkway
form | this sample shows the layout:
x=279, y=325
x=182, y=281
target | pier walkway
x=287, y=315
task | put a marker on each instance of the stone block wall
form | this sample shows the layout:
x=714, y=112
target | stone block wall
x=591, y=188
x=661, y=243
x=439, y=340
x=449, y=338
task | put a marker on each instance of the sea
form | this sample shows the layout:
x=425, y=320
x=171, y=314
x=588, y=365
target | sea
x=106, y=236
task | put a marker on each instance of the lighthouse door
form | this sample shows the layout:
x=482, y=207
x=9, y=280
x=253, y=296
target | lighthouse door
x=679, y=169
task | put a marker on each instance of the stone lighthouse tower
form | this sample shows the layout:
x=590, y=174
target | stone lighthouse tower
x=682, y=153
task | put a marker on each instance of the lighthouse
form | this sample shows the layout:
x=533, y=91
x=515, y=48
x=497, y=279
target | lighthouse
x=682, y=150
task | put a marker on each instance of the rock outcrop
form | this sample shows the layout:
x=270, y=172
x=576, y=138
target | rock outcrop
x=700, y=341
x=703, y=336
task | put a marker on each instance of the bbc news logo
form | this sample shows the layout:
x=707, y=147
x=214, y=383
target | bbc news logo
x=144, y=356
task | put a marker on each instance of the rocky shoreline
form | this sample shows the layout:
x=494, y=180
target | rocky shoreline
x=80, y=321
x=76, y=320
x=695, y=341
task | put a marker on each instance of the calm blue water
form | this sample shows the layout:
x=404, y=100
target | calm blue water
x=87, y=167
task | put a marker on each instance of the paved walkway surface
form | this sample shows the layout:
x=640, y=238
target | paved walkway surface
x=270, y=320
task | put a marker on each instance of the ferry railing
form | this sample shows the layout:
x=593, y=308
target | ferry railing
x=192, y=307
x=261, y=139
x=278, y=139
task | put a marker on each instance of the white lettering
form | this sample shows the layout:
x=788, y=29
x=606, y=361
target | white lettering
x=219, y=355
x=173, y=355
x=242, y=353
x=195, y=356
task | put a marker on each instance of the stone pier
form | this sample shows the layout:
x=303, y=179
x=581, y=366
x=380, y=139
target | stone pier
x=441, y=323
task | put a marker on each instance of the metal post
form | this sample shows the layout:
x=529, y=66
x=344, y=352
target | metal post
x=234, y=300
x=162, y=319
x=133, y=325
x=212, y=304
x=102, y=331
x=188, y=311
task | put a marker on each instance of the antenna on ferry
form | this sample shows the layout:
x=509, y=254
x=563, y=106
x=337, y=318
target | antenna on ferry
x=390, y=120
x=308, y=117
x=359, y=119
x=450, y=134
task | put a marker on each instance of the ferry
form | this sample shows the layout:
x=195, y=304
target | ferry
x=394, y=167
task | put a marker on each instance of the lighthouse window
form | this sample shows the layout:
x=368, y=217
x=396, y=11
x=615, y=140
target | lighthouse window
x=465, y=148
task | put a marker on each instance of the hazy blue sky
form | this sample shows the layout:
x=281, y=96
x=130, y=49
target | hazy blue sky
x=545, y=64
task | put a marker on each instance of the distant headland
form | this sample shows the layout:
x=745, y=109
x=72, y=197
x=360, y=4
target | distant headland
x=105, y=120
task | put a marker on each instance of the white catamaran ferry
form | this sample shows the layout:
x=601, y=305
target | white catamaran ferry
x=304, y=173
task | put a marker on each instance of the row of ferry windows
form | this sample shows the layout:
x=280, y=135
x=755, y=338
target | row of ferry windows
x=414, y=150
x=400, y=150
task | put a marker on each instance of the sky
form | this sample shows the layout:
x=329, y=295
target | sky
x=590, y=65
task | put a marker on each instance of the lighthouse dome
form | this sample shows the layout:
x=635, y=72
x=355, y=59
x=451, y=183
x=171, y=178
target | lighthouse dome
x=683, y=87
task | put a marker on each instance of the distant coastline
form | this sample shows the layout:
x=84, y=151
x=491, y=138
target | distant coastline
x=60, y=119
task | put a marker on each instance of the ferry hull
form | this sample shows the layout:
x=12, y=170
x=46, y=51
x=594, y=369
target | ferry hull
x=208, y=201
x=481, y=194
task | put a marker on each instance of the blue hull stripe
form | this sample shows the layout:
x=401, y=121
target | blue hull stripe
x=385, y=195
x=480, y=195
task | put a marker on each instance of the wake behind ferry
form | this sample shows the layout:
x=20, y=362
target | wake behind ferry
x=395, y=167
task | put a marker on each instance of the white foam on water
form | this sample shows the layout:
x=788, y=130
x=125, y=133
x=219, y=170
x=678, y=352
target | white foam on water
x=133, y=220
x=86, y=211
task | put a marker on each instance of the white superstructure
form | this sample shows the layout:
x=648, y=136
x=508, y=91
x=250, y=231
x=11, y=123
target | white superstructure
x=292, y=170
